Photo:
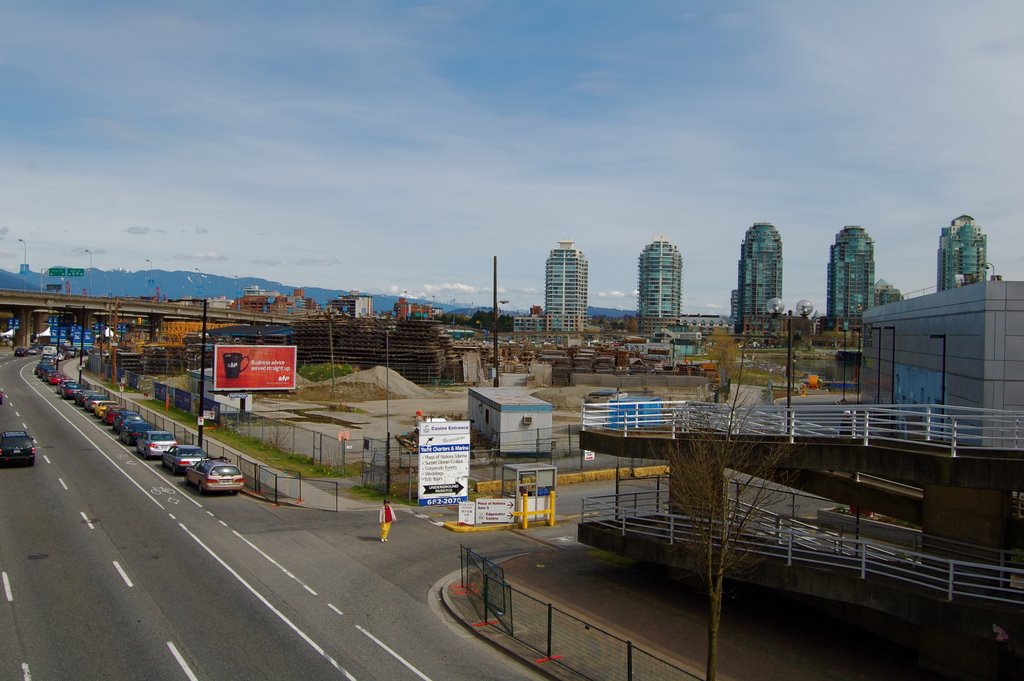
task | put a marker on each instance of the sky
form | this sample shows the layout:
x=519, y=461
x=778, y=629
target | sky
x=397, y=147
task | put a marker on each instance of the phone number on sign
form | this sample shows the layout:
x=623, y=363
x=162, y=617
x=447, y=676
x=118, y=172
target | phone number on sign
x=442, y=501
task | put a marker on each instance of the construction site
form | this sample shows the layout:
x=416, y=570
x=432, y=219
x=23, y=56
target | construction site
x=421, y=351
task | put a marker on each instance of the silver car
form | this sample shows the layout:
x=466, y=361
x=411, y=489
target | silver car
x=152, y=444
x=180, y=457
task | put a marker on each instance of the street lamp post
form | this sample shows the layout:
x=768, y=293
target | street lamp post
x=90, y=272
x=202, y=379
x=804, y=308
x=387, y=409
x=24, y=263
x=942, y=337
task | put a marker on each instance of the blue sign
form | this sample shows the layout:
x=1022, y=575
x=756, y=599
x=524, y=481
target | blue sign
x=13, y=323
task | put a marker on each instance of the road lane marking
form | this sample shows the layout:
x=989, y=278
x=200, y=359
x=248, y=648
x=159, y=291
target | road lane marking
x=270, y=606
x=46, y=459
x=26, y=675
x=331, y=606
x=181, y=662
x=7, y=588
x=222, y=523
x=87, y=521
x=273, y=562
x=62, y=484
x=124, y=575
x=395, y=655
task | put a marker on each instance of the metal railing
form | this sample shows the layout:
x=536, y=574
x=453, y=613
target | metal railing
x=560, y=638
x=793, y=542
x=276, y=485
x=956, y=430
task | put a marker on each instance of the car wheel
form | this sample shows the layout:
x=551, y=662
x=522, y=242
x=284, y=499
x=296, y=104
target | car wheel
x=199, y=486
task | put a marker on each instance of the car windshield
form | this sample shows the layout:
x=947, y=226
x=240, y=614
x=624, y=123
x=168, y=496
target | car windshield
x=161, y=437
x=225, y=470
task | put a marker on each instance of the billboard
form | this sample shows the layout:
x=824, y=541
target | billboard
x=254, y=367
x=444, y=462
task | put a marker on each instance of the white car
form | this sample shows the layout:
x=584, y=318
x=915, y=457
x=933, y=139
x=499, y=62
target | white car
x=153, y=444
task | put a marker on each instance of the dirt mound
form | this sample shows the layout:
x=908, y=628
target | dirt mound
x=373, y=384
x=562, y=399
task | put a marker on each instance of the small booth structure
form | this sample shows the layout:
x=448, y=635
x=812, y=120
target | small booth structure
x=518, y=422
x=534, y=484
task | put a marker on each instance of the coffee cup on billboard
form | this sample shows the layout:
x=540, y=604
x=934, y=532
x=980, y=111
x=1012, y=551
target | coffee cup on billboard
x=234, y=364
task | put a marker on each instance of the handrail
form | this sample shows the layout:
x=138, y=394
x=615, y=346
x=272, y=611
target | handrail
x=941, y=427
x=798, y=543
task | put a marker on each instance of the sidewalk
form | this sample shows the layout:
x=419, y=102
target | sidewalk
x=763, y=635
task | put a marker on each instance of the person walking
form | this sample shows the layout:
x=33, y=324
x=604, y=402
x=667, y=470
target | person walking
x=387, y=516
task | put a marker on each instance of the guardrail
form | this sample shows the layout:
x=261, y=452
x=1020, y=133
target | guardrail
x=953, y=429
x=793, y=542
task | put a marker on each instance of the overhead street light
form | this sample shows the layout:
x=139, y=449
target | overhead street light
x=804, y=308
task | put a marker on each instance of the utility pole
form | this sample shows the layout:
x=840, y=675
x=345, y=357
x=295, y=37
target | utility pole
x=202, y=377
x=494, y=324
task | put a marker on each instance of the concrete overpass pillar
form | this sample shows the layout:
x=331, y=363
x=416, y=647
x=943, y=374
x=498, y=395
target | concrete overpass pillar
x=22, y=333
x=156, y=321
x=40, y=320
x=975, y=516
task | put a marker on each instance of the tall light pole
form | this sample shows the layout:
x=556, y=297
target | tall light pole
x=202, y=379
x=24, y=263
x=387, y=409
x=804, y=308
x=90, y=272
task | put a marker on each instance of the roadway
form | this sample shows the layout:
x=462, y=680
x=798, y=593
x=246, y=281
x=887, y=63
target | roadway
x=112, y=569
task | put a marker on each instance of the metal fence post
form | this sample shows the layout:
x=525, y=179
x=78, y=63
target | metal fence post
x=550, y=627
x=629, y=661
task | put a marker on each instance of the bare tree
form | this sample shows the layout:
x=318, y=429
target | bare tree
x=722, y=482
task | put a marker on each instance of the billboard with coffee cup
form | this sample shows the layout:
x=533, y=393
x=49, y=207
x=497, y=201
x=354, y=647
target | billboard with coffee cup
x=254, y=367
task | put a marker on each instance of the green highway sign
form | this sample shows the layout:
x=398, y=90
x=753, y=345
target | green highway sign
x=65, y=272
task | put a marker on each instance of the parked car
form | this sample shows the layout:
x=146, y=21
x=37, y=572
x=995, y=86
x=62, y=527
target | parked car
x=33, y=350
x=215, y=475
x=102, y=406
x=89, y=404
x=120, y=418
x=68, y=389
x=43, y=368
x=55, y=377
x=20, y=352
x=153, y=444
x=111, y=414
x=81, y=397
x=131, y=431
x=17, y=446
x=180, y=457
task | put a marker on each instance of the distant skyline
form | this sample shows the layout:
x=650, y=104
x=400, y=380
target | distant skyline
x=398, y=146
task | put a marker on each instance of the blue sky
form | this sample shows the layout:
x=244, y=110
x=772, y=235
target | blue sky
x=399, y=146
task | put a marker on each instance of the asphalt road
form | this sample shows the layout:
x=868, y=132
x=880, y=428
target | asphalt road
x=112, y=569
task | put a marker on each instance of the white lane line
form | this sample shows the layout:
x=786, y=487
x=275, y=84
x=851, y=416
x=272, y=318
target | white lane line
x=395, y=655
x=269, y=605
x=273, y=562
x=62, y=484
x=172, y=516
x=46, y=459
x=124, y=575
x=87, y=521
x=7, y=588
x=210, y=513
x=331, y=606
x=26, y=675
x=222, y=523
x=182, y=663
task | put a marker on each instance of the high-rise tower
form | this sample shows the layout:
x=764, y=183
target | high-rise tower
x=962, y=254
x=565, y=288
x=760, y=278
x=659, y=285
x=851, y=277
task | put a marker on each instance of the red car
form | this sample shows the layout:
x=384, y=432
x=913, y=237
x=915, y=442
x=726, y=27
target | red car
x=56, y=378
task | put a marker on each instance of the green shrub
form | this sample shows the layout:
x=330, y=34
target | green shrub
x=322, y=372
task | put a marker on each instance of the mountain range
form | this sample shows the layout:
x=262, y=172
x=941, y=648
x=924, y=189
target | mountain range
x=194, y=284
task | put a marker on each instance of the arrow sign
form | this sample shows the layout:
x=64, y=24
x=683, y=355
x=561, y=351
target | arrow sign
x=447, y=488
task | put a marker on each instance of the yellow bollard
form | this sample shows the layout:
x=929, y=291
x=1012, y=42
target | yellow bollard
x=551, y=508
x=526, y=512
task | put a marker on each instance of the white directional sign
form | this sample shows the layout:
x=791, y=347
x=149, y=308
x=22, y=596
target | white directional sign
x=444, y=462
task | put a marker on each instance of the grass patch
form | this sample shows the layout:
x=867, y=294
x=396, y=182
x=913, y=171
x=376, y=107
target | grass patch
x=323, y=372
x=256, y=448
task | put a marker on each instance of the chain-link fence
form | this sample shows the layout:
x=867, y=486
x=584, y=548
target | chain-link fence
x=559, y=637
